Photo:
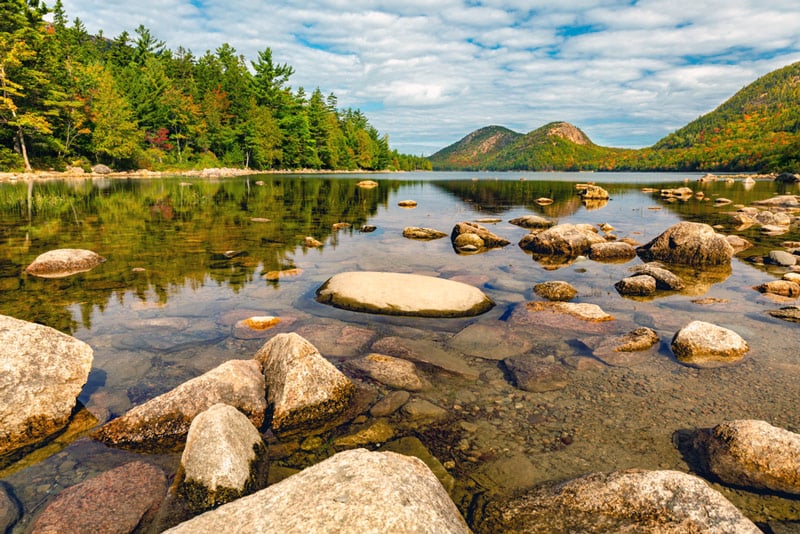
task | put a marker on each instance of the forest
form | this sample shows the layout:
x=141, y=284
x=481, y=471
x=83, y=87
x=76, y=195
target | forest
x=71, y=99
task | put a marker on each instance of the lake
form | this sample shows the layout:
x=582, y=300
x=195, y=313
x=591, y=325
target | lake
x=187, y=258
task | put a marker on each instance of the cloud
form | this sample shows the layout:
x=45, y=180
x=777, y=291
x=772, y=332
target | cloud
x=627, y=73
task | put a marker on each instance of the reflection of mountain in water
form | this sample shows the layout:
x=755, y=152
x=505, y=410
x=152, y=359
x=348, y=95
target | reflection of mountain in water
x=497, y=196
x=161, y=234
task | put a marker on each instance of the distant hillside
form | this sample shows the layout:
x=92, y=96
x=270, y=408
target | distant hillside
x=554, y=146
x=758, y=129
x=475, y=149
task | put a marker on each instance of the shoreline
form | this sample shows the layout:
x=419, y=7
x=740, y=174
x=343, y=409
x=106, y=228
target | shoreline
x=224, y=172
x=221, y=172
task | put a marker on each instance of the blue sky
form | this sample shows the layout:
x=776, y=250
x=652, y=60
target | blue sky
x=427, y=73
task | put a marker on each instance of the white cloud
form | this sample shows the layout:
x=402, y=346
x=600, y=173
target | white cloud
x=625, y=73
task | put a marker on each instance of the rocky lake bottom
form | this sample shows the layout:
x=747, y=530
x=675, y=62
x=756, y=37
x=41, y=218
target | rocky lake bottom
x=166, y=306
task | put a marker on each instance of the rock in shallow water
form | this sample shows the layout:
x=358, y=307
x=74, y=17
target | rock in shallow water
x=423, y=234
x=64, y=262
x=617, y=251
x=388, y=370
x=702, y=344
x=42, y=372
x=221, y=457
x=472, y=234
x=116, y=501
x=625, y=350
x=568, y=240
x=639, y=285
x=403, y=294
x=555, y=290
x=622, y=501
x=304, y=389
x=688, y=243
x=789, y=313
x=753, y=454
x=536, y=374
x=163, y=422
x=353, y=491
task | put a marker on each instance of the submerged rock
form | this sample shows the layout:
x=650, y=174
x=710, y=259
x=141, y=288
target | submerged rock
x=378, y=432
x=42, y=373
x=392, y=402
x=427, y=353
x=303, y=388
x=403, y=294
x=753, y=454
x=702, y=344
x=623, y=501
x=688, y=243
x=64, y=262
x=119, y=500
x=536, y=374
x=353, y=491
x=583, y=311
x=625, y=350
x=163, y=422
x=388, y=370
x=493, y=341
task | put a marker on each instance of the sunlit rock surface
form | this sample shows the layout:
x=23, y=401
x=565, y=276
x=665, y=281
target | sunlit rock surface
x=688, y=243
x=163, y=422
x=353, y=491
x=753, y=454
x=403, y=294
x=623, y=501
x=303, y=388
x=219, y=462
x=64, y=262
x=703, y=344
x=42, y=372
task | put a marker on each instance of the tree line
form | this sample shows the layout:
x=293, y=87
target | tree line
x=69, y=98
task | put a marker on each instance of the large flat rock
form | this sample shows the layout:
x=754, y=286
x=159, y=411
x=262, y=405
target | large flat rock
x=403, y=294
x=353, y=491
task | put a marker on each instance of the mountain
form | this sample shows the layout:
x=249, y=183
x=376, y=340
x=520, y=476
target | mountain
x=474, y=149
x=554, y=146
x=757, y=129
